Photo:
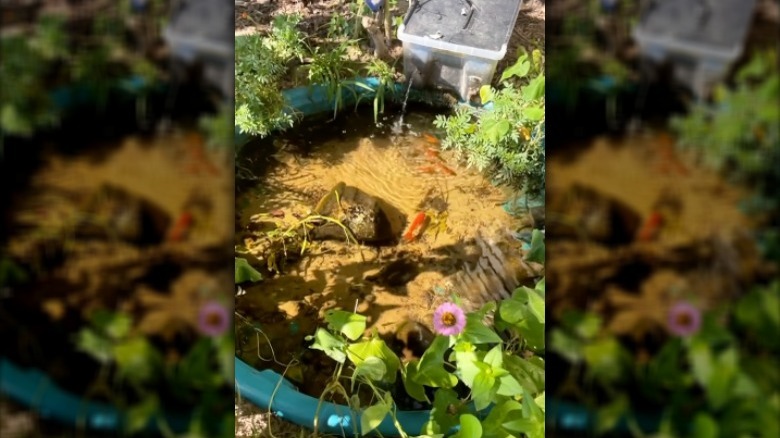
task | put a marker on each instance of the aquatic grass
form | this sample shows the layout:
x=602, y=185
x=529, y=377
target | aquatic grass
x=283, y=240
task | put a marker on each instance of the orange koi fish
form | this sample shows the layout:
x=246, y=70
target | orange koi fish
x=432, y=154
x=415, y=227
x=181, y=228
x=430, y=138
x=651, y=227
x=445, y=169
x=427, y=169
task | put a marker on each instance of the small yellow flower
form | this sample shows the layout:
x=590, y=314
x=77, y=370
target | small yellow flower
x=526, y=133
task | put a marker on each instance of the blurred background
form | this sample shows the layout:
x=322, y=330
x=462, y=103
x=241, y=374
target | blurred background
x=662, y=219
x=116, y=280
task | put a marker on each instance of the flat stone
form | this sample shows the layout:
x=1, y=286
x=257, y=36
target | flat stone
x=355, y=209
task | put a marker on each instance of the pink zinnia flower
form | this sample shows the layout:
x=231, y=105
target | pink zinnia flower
x=213, y=319
x=448, y=319
x=684, y=319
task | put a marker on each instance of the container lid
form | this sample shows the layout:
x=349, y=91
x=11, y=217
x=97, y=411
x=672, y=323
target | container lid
x=479, y=24
x=716, y=24
x=206, y=25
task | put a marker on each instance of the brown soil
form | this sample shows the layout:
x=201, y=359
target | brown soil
x=702, y=251
x=334, y=275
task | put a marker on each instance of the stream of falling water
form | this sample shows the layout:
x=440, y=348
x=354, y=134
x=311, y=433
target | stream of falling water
x=398, y=126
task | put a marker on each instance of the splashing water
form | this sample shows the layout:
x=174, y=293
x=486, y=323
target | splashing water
x=398, y=126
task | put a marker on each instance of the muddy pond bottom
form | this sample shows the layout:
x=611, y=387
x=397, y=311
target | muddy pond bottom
x=464, y=246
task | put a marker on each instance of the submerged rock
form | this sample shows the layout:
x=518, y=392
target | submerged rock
x=355, y=209
x=113, y=212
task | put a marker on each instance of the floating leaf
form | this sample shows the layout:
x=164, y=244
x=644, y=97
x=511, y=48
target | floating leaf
x=350, y=324
x=375, y=348
x=245, y=272
x=329, y=344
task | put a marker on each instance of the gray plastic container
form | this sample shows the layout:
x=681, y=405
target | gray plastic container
x=456, y=44
x=702, y=38
x=202, y=31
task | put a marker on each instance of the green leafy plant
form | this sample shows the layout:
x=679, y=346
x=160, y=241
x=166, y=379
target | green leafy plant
x=261, y=63
x=484, y=371
x=218, y=128
x=330, y=67
x=135, y=363
x=502, y=373
x=386, y=76
x=508, y=140
x=39, y=63
x=717, y=381
x=738, y=135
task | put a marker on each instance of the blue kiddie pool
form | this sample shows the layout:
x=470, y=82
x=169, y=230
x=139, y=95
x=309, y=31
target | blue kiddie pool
x=268, y=389
x=271, y=391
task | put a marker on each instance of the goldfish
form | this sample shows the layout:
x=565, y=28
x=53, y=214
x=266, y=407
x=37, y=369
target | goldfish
x=432, y=153
x=415, y=227
x=181, y=228
x=430, y=138
x=651, y=227
x=445, y=169
x=427, y=169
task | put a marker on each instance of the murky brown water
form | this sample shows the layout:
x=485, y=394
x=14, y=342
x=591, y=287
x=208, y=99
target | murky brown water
x=409, y=173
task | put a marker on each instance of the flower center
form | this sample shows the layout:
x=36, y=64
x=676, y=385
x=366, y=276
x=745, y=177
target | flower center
x=213, y=319
x=449, y=319
x=684, y=319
